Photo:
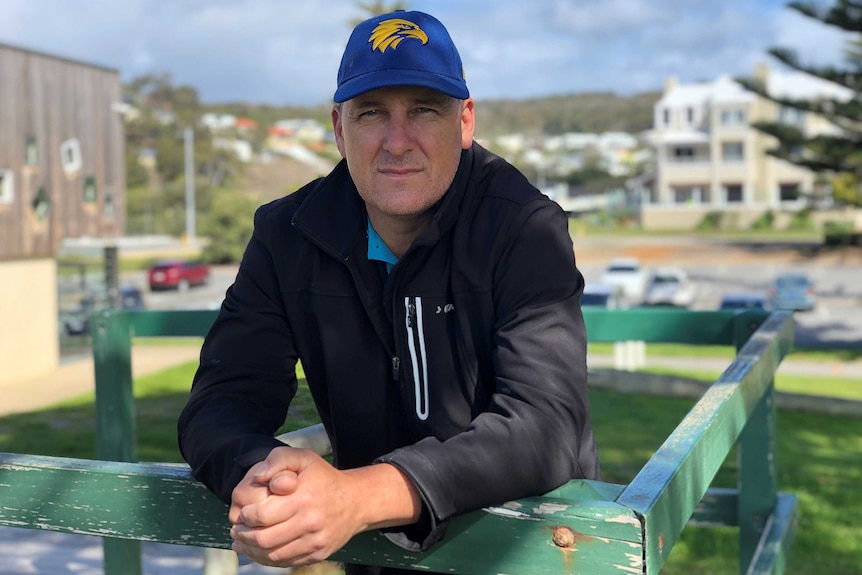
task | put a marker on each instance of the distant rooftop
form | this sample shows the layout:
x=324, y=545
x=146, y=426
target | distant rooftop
x=57, y=57
x=726, y=90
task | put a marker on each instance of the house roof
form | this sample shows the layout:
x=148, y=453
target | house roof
x=726, y=90
x=56, y=57
x=723, y=90
x=797, y=85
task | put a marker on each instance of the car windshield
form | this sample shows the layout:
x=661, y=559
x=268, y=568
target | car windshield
x=623, y=268
x=665, y=280
x=791, y=282
x=741, y=303
x=600, y=299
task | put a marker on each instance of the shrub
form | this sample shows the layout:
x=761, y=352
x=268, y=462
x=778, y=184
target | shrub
x=801, y=220
x=764, y=222
x=710, y=221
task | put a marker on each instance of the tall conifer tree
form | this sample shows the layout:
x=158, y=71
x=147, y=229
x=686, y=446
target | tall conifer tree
x=838, y=155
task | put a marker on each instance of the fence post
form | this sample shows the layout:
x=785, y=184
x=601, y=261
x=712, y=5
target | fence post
x=116, y=436
x=757, y=483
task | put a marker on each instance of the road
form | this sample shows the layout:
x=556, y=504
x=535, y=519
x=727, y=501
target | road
x=835, y=322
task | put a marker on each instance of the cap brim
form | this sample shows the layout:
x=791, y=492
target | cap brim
x=453, y=87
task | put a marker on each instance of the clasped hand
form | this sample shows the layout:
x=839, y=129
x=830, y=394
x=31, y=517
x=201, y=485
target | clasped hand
x=294, y=508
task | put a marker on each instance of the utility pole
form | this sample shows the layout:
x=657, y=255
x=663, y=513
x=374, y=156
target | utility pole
x=189, y=140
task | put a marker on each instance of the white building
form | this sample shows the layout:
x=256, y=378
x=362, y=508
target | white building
x=708, y=157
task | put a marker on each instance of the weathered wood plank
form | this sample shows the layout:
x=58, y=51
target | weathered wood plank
x=668, y=488
x=669, y=325
x=773, y=551
x=162, y=502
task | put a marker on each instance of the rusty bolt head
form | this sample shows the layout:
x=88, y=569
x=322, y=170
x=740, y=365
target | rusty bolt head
x=564, y=537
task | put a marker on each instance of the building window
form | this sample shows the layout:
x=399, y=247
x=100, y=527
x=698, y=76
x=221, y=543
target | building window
x=683, y=153
x=689, y=194
x=732, y=193
x=688, y=154
x=7, y=186
x=689, y=116
x=90, y=189
x=732, y=151
x=41, y=203
x=791, y=116
x=734, y=117
x=665, y=114
x=788, y=192
x=31, y=152
x=109, y=210
x=70, y=155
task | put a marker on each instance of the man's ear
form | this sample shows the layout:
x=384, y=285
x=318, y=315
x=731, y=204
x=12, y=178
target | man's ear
x=337, y=129
x=468, y=123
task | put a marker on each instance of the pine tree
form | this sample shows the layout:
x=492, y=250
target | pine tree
x=837, y=156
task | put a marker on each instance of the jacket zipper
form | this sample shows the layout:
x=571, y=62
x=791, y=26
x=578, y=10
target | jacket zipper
x=416, y=335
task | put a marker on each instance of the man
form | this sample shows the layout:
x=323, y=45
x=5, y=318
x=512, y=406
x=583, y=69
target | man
x=432, y=297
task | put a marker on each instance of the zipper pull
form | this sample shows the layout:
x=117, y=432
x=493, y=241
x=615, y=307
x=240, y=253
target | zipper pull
x=396, y=364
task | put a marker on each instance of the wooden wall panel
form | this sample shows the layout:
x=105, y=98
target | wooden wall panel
x=53, y=100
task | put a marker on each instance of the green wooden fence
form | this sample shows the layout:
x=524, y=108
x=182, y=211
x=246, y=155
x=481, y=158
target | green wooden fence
x=584, y=527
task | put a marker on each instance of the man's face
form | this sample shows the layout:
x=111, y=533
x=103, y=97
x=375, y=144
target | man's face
x=402, y=146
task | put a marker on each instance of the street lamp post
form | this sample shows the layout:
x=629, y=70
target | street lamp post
x=189, y=138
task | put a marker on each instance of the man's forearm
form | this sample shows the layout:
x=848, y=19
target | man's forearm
x=386, y=496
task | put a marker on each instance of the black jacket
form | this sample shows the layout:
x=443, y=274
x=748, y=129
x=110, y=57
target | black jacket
x=465, y=367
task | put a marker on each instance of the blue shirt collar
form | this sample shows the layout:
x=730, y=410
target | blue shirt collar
x=378, y=250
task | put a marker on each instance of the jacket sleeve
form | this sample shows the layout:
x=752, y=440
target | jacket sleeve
x=535, y=434
x=246, y=378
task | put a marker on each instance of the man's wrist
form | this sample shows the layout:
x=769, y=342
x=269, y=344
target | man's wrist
x=385, y=497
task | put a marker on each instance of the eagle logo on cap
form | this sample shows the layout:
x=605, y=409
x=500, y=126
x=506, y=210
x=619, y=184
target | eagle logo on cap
x=389, y=33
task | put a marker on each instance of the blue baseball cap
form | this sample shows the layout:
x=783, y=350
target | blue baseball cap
x=400, y=49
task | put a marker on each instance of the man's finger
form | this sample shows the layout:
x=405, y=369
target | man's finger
x=283, y=483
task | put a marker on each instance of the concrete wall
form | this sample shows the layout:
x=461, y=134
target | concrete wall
x=29, y=345
x=686, y=217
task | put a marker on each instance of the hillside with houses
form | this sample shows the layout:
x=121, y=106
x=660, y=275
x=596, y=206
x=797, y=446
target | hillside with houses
x=687, y=157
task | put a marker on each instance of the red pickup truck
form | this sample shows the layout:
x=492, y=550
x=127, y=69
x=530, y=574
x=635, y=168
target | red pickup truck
x=178, y=274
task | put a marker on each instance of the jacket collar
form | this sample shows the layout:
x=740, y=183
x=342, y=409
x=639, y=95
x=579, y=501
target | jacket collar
x=333, y=214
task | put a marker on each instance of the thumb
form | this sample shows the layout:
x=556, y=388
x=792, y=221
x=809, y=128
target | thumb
x=279, y=459
x=283, y=483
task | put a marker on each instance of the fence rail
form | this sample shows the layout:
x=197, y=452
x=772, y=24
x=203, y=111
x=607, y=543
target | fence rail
x=583, y=527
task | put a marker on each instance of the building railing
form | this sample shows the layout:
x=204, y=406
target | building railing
x=583, y=527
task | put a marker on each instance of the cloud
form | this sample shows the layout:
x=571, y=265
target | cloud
x=278, y=52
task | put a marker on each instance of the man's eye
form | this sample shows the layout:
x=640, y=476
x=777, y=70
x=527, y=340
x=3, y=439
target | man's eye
x=369, y=113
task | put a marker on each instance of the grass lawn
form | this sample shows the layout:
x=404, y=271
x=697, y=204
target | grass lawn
x=819, y=459
x=726, y=351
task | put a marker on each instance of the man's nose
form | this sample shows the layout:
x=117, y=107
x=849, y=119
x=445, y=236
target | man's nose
x=398, y=138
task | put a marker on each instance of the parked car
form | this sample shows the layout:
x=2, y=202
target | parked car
x=671, y=287
x=604, y=295
x=178, y=274
x=629, y=275
x=792, y=291
x=742, y=301
x=77, y=321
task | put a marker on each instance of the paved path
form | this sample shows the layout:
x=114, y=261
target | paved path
x=76, y=377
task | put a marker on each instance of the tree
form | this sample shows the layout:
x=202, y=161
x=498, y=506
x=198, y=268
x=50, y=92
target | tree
x=376, y=8
x=837, y=155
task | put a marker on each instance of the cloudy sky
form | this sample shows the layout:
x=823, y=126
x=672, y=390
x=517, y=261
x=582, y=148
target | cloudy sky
x=287, y=51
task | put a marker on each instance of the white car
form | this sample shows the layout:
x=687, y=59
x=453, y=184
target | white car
x=629, y=275
x=604, y=295
x=670, y=286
